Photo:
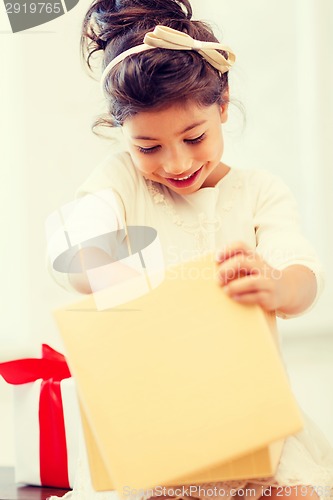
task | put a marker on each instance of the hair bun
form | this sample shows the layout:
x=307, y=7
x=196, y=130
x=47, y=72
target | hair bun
x=172, y=9
x=157, y=9
x=110, y=20
x=114, y=16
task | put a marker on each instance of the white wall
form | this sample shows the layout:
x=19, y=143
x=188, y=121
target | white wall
x=49, y=105
x=283, y=76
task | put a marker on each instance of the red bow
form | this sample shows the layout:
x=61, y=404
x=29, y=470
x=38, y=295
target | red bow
x=51, y=368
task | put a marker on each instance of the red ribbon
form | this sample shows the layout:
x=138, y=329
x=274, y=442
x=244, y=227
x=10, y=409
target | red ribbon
x=51, y=368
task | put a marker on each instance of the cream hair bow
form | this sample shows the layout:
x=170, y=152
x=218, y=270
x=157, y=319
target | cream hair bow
x=168, y=38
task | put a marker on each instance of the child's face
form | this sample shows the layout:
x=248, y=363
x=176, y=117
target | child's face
x=179, y=146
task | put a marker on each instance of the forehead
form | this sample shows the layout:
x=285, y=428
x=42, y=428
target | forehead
x=175, y=118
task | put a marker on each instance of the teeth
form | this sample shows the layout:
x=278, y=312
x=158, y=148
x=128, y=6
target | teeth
x=183, y=178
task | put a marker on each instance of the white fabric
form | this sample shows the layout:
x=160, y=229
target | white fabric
x=246, y=205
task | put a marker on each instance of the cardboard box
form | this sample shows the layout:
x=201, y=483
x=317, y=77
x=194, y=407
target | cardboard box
x=182, y=385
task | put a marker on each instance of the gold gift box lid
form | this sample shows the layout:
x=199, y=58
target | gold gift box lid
x=182, y=385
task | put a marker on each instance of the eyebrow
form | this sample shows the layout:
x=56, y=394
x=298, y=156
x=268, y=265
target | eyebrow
x=187, y=129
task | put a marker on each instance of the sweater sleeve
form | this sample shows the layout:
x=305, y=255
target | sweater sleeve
x=96, y=218
x=278, y=233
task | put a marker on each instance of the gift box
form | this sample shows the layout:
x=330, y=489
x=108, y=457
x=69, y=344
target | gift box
x=185, y=385
x=46, y=419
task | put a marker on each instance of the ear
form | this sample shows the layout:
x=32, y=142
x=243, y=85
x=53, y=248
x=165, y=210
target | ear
x=224, y=106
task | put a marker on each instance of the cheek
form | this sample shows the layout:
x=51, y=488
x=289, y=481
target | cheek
x=219, y=145
x=144, y=163
x=212, y=149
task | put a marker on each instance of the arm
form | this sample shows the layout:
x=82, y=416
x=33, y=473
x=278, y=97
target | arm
x=281, y=270
x=247, y=278
x=82, y=226
x=88, y=258
x=90, y=234
x=113, y=271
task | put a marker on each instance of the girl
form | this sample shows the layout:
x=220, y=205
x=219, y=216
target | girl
x=165, y=79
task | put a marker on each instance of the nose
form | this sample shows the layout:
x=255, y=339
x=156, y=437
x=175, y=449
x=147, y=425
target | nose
x=177, y=161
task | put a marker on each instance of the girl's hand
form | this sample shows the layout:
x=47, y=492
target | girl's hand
x=247, y=278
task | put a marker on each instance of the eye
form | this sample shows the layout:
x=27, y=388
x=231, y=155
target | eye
x=147, y=150
x=196, y=140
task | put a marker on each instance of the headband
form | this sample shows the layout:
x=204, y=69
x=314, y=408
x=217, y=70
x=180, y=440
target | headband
x=168, y=38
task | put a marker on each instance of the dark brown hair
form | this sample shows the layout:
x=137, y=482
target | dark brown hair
x=154, y=78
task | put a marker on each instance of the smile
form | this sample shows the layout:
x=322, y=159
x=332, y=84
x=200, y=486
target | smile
x=186, y=180
x=183, y=178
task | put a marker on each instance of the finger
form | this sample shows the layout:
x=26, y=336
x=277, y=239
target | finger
x=260, y=298
x=253, y=283
x=234, y=268
x=252, y=290
x=236, y=248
